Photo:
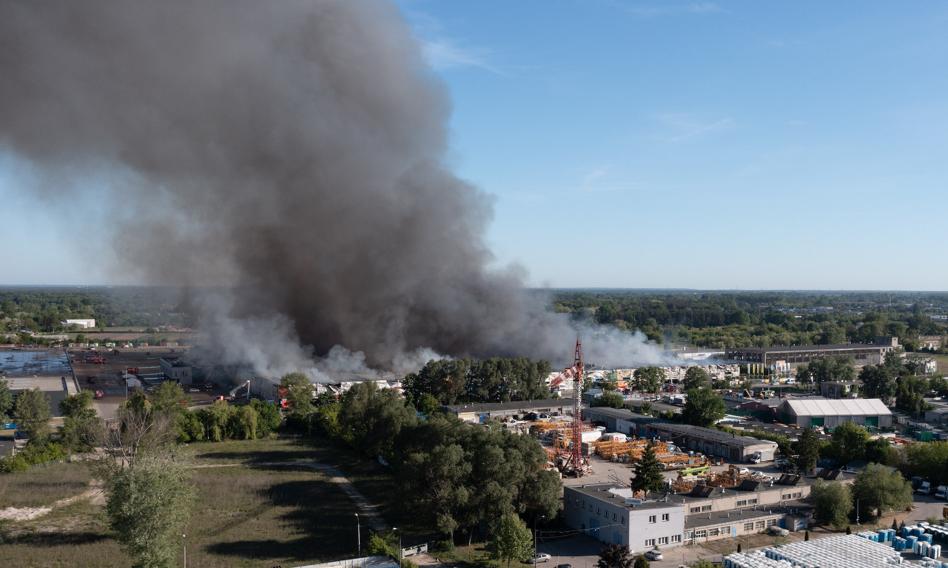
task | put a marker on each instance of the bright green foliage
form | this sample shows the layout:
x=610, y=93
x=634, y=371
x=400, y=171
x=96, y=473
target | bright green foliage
x=512, y=540
x=77, y=405
x=168, y=398
x=880, y=489
x=881, y=451
x=648, y=471
x=827, y=369
x=833, y=502
x=32, y=413
x=610, y=399
x=648, y=379
x=148, y=508
x=242, y=423
x=696, y=377
x=381, y=416
x=910, y=395
x=498, y=379
x=37, y=451
x=703, y=407
x=215, y=418
x=849, y=443
x=268, y=417
x=929, y=461
x=427, y=404
x=189, y=427
x=615, y=556
x=299, y=393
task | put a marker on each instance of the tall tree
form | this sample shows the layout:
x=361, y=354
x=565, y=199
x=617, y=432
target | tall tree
x=703, y=407
x=615, y=556
x=832, y=503
x=849, y=443
x=695, y=378
x=609, y=399
x=32, y=413
x=299, y=393
x=6, y=401
x=879, y=489
x=649, y=379
x=648, y=471
x=512, y=539
x=807, y=448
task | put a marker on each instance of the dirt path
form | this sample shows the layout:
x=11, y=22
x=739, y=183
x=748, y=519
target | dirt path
x=18, y=514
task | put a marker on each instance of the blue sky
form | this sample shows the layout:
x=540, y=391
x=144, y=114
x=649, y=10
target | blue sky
x=674, y=144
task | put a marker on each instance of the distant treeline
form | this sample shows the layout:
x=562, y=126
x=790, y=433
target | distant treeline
x=489, y=380
x=743, y=319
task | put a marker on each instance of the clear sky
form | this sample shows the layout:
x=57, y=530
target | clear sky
x=671, y=144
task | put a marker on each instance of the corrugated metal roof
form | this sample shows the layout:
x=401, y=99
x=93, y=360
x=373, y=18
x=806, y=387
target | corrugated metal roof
x=838, y=407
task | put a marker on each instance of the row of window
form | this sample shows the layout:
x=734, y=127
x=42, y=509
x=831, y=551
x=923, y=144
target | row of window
x=722, y=531
x=605, y=514
x=798, y=495
x=701, y=509
x=650, y=542
x=652, y=518
x=746, y=502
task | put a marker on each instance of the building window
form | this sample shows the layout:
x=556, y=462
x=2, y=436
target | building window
x=759, y=524
x=676, y=538
x=663, y=540
x=650, y=542
x=771, y=522
x=786, y=496
x=597, y=510
x=695, y=509
x=701, y=534
x=742, y=503
x=705, y=508
x=614, y=517
x=622, y=519
x=665, y=516
x=713, y=532
x=752, y=501
x=651, y=518
x=748, y=526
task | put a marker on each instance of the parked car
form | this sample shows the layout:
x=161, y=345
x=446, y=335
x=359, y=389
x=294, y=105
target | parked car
x=778, y=531
x=942, y=492
x=925, y=488
x=540, y=557
x=653, y=555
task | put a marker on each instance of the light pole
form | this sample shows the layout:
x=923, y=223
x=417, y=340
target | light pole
x=184, y=548
x=535, y=519
x=358, y=535
x=395, y=529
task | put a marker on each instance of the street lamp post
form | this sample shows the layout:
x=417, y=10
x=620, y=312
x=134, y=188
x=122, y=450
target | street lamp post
x=358, y=535
x=399, y=545
x=535, y=519
x=184, y=549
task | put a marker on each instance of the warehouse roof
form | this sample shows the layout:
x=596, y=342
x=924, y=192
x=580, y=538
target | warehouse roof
x=526, y=405
x=710, y=435
x=619, y=413
x=791, y=348
x=837, y=407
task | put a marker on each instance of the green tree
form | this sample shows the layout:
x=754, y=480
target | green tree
x=299, y=393
x=878, y=381
x=215, y=419
x=609, y=399
x=427, y=404
x=807, y=448
x=615, y=556
x=640, y=562
x=703, y=407
x=648, y=471
x=848, y=443
x=649, y=379
x=32, y=413
x=929, y=461
x=6, y=401
x=242, y=423
x=268, y=417
x=879, y=489
x=512, y=539
x=832, y=502
x=168, y=398
x=879, y=450
x=695, y=378
x=81, y=430
x=148, y=508
x=77, y=405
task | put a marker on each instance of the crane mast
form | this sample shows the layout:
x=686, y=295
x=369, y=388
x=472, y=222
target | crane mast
x=578, y=368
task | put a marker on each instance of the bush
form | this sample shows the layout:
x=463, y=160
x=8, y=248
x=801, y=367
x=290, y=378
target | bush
x=34, y=453
x=382, y=545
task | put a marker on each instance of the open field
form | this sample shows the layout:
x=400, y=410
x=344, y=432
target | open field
x=259, y=503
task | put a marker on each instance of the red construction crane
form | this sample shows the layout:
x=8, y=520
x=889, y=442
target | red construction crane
x=577, y=449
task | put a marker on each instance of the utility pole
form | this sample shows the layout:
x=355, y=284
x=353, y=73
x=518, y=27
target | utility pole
x=535, y=519
x=184, y=547
x=358, y=535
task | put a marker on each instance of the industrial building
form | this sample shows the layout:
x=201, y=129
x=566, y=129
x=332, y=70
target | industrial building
x=176, y=369
x=715, y=442
x=80, y=323
x=830, y=413
x=613, y=515
x=618, y=419
x=795, y=355
x=483, y=412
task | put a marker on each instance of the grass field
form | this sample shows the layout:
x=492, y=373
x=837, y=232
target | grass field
x=254, y=507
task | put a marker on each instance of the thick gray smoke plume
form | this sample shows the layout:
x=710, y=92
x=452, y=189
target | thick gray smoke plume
x=291, y=151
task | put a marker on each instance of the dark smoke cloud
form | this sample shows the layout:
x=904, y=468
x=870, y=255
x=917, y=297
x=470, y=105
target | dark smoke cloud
x=291, y=150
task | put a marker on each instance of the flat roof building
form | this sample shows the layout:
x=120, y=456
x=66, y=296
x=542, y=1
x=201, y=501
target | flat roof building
x=715, y=442
x=862, y=354
x=483, y=412
x=613, y=515
x=618, y=419
x=830, y=413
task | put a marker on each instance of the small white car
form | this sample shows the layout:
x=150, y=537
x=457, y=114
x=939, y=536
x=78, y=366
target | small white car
x=653, y=555
x=541, y=557
x=778, y=531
